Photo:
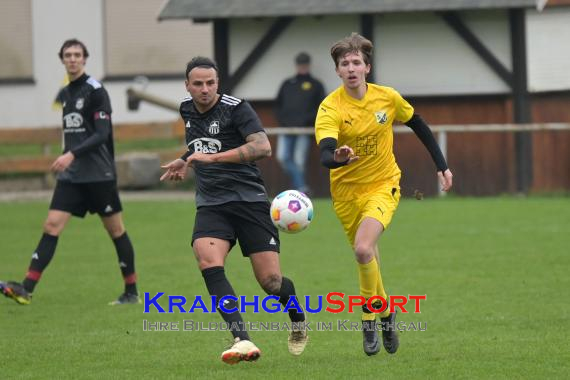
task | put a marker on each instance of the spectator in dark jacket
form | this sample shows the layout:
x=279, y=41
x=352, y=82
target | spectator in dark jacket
x=297, y=103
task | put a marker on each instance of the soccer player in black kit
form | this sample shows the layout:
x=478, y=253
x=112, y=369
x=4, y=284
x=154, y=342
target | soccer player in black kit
x=86, y=178
x=225, y=137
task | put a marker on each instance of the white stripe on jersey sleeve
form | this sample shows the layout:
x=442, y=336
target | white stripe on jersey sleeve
x=94, y=83
x=230, y=100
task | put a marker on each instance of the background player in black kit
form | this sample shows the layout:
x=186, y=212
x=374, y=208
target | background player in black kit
x=86, y=178
x=224, y=138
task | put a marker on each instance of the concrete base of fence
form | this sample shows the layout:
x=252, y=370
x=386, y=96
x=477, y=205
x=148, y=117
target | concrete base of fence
x=138, y=170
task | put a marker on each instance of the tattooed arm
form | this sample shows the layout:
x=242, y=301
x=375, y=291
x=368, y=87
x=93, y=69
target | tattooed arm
x=257, y=146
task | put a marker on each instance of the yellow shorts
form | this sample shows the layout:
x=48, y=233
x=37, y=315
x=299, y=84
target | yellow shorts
x=379, y=203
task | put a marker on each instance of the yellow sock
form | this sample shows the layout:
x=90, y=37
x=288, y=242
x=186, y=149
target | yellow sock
x=368, y=276
x=381, y=292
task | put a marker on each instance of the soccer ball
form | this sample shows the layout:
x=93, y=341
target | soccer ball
x=291, y=211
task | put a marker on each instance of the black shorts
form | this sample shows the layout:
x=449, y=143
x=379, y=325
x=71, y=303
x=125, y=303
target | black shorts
x=247, y=222
x=78, y=198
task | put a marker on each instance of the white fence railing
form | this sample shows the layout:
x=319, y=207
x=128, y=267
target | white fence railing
x=443, y=130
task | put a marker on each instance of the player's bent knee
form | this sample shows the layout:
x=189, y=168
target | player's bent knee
x=117, y=233
x=114, y=225
x=53, y=227
x=271, y=284
x=363, y=253
x=207, y=262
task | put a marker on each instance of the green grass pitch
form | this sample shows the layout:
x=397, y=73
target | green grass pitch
x=495, y=272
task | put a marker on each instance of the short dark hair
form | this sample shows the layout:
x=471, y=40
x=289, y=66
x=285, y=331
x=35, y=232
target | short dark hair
x=73, y=42
x=303, y=58
x=203, y=62
x=352, y=44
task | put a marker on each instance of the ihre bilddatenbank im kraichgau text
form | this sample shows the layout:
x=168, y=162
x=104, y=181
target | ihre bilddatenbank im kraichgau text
x=336, y=302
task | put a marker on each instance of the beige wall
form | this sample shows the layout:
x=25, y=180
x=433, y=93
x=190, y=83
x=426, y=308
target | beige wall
x=53, y=21
x=15, y=39
x=135, y=43
x=125, y=39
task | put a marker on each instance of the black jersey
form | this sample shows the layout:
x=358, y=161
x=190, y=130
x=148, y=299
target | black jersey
x=298, y=100
x=83, y=101
x=224, y=127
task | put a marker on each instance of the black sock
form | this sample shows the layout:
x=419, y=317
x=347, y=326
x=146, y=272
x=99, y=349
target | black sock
x=126, y=255
x=287, y=290
x=40, y=260
x=219, y=286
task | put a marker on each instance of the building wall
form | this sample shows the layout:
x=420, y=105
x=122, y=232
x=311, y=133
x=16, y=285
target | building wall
x=262, y=82
x=548, y=49
x=448, y=84
x=551, y=150
x=417, y=53
x=57, y=20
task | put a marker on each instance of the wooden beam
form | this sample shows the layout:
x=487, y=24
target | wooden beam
x=39, y=164
x=453, y=20
x=521, y=100
x=554, y=3
x=51, y=135
x=221, y=52
x=278, y=26
x=367, y=30
x=121, y=132
x=134, y=98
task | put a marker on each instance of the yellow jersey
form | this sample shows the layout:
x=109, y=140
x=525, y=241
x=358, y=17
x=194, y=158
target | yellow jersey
x=365, y=125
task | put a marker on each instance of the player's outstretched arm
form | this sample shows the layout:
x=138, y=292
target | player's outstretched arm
x=421, y=129
x=344, y=154
x=257, y=146
x=175, y=170
x=333, y=157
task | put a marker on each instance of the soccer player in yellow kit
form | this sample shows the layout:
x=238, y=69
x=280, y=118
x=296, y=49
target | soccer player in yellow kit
x=354, y=132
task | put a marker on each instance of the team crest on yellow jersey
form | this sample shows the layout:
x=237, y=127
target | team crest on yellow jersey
x=381, y=117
